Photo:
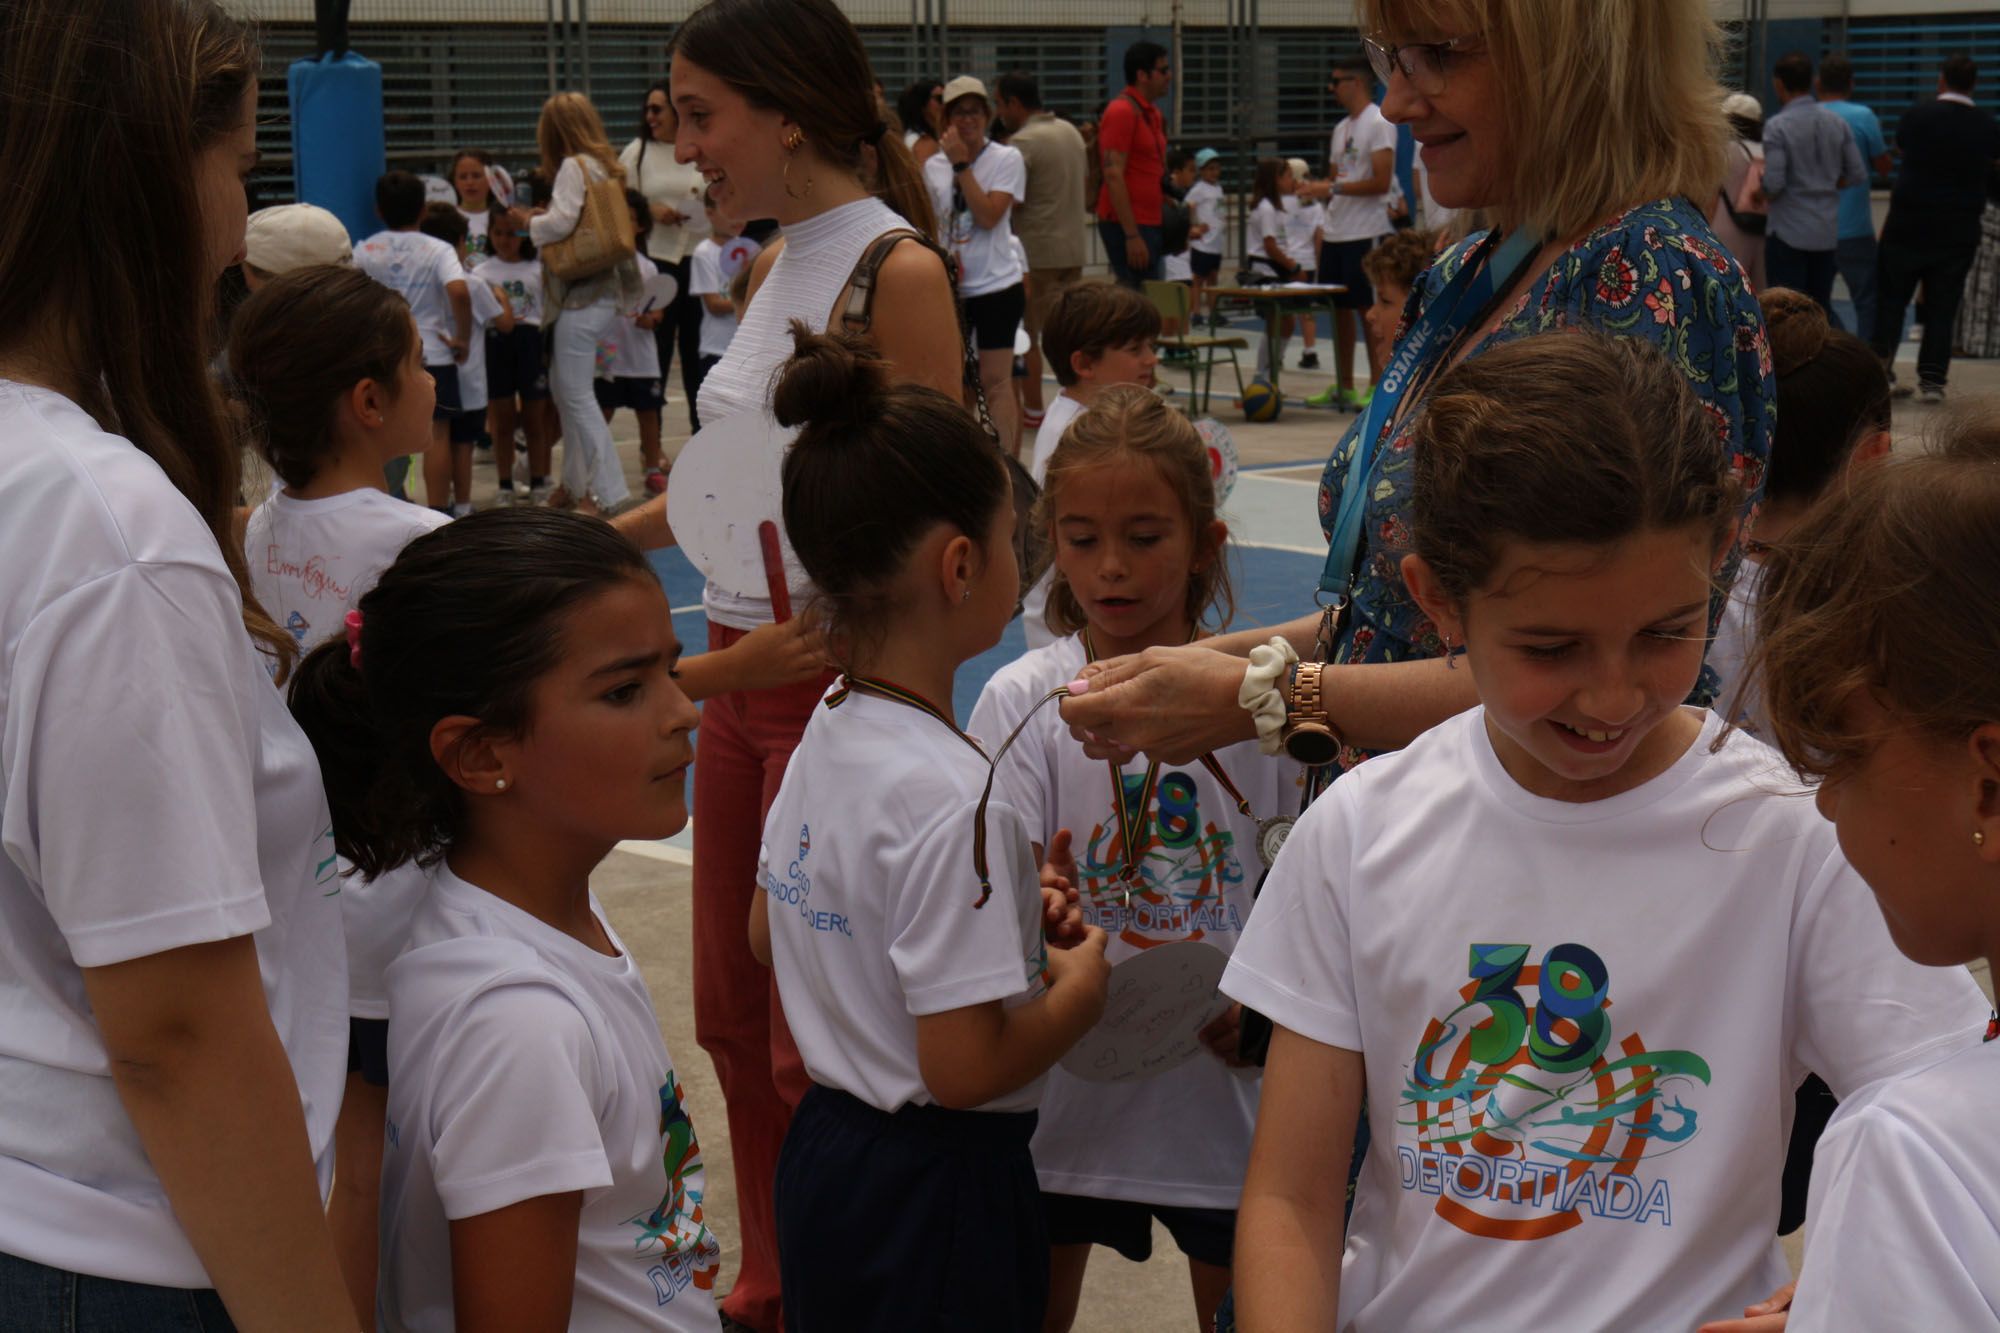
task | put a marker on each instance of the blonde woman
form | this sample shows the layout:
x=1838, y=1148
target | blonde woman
x=576, y=152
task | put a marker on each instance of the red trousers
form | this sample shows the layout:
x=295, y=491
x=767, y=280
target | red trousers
x=744, y=743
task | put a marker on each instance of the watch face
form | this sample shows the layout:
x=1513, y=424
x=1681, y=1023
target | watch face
x=1271, y=835
x=1311, y=745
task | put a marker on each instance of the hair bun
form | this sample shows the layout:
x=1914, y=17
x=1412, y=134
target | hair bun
x=1795, y=325
x=831, y=381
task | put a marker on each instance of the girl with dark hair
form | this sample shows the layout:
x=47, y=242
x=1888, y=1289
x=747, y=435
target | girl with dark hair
x=921, y=109
x=171, y=960
x=473, y=185
x=673, y=195
x=903, y=916
x=776, y=107
x=501, y=711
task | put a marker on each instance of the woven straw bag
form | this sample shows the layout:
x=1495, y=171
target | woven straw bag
x=603, y=237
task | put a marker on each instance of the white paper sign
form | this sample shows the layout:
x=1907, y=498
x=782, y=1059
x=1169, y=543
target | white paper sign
x=726, y=481
x=661, y=288
x=1159, y=1001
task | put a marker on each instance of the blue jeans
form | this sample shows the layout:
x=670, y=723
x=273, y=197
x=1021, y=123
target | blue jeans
x=1114, y=250
x=1855, y=258
x=1808, y=271
x=35, y=1298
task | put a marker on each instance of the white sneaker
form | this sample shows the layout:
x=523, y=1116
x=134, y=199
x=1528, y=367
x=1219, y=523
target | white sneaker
x=1931, y=393
x=539, y=495
x=460, y=510
x=503, y=496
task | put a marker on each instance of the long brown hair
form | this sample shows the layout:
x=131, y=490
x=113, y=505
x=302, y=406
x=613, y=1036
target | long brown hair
x=570, y=127
x=105, y=107
x=803, y=58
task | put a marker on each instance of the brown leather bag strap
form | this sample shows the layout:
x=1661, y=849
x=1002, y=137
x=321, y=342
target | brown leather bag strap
x=857, y=313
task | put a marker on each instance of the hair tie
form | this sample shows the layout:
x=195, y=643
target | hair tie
x=353, y=623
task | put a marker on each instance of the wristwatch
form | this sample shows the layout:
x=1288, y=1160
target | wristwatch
x=1307, y=736
x=961, y=166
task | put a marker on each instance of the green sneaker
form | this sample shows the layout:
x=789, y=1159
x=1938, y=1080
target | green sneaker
x=1356, y=399
x=1327, y=397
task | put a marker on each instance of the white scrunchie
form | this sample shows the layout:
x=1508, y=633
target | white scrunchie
x=1259, y=694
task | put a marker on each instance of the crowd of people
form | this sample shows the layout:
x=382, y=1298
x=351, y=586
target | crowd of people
x=1511, y=934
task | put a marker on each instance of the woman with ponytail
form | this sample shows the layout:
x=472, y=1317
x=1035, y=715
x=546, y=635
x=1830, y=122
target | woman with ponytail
x=171, y=962
x=776, y=107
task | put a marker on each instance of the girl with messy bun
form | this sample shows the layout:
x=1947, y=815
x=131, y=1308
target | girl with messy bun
x=1833, y=415
x=901, y=912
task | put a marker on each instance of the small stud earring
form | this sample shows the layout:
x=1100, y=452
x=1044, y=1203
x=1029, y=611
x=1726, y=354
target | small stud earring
x=965, y=596
x=1979, y=837
x=500, y=784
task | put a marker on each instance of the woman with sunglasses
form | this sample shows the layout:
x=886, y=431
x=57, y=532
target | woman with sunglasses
x=673, y=192
x=921, y=109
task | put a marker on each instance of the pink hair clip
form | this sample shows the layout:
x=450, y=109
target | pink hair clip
x=353, y=623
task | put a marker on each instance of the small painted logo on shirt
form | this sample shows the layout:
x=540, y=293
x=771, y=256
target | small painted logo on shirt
x=674, y=1233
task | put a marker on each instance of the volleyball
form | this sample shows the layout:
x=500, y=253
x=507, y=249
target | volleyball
x=1260, y=401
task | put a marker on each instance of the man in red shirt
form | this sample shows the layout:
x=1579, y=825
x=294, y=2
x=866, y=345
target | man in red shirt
x=1132, y=141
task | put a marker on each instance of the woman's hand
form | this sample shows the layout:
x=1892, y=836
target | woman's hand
x=668, y=216
x=1173, y=704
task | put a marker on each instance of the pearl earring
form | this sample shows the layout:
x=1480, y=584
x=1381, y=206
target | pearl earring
x=1979, y=837
x=500, y=784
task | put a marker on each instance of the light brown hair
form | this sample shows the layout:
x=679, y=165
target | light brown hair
x=134, y=93
x=570, y=127
x=1092, y=318
x=1400, y=260
x=1128, y=421
x=1572, y=437
x=1607, y=103
x=1886, y=585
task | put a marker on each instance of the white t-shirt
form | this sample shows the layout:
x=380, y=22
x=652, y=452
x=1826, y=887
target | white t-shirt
x=478, y=247
x=522, y=281
x=1356, y=140
x=154, y=793
x=1606, y=1153
x=419, y=267
x=1729, y=651
x=705, y=279
x=635, y=354
x=1301, y=225
x=524, y=1063
x=868, y=861
x=1906, y=1182
x=1062, y=410
x=1265, y=222
x=486, y=308
x=1177, y=268
x=310, y=562
x=1204, y=202
x=1199, y=868
x=986, y=258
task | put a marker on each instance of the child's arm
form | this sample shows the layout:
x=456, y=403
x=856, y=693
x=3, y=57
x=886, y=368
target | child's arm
x=765, y=658
x=717, y=303
x=460, y=297
x=1290, y=1229
x=515, y=1267
x=504, y=321
x=760, y=926
x=972, y=1055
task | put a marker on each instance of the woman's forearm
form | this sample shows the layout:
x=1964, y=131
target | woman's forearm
x=200, y=1070
x=1386, y=705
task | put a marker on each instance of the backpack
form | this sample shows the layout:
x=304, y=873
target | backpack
x=1745, y=209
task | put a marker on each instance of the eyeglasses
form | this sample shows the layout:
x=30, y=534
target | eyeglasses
x=1422, y=63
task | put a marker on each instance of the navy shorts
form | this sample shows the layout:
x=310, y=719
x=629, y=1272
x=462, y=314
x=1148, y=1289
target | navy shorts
x=446, y=379
x=1340, y=261
x=368, y=1050
x=626, y=391
x=1206, y=1234
x=1203, y=264
x=995, y=317
x=514, y=366
x=467, y=427
x=926, y=1218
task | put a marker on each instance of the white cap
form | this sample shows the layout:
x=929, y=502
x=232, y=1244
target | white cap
x=1299, y=167
x=1744, y=105
x=278, y=240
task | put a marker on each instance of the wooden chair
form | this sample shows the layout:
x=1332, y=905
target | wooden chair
x=1201, y=350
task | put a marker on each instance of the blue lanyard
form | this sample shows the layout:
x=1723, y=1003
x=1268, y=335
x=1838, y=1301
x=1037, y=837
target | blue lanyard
x=1462, y=300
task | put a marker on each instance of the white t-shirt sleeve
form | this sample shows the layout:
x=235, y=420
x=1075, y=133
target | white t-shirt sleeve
x=1010, y=174
x=705, y=270
x=514, y=1093
x=1884, y=1203
x=1374, y=135
x=127, y=702
x=949, y=954
x=1293, y=963
x=486, y=305
x=1864, y=1011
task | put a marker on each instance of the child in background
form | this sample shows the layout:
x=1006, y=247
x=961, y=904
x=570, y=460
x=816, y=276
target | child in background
x=1305, y=230
x=705, y=281
x=630, y=375
x=1264, y=247
x=902, y=912
x=1129, y=510
x=503, y=710
x=1393, y=268
x=1576, y=946
x=1179, y=267
x=329, y=366
x=1096, y=334
x=429, y=275
x=466, y=427
x=1205, y=203
x=517, y=383
x=1833, y=417
x=474, y=187
x=1878, y=630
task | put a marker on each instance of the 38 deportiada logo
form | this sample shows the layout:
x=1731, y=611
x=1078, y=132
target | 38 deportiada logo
x=1525, y=1119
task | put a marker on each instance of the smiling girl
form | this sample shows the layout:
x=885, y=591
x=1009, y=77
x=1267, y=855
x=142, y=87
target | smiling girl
x=1576, y=946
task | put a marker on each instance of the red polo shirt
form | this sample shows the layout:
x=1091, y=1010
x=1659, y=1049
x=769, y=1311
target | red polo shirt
x=1140, y=134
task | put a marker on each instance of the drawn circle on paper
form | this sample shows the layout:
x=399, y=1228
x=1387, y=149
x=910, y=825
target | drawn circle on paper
x=1223, y=459
x=737, y=252
x=725, y=482
x=1158, y=1003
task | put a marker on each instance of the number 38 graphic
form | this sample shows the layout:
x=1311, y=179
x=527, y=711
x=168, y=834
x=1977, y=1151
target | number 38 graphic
x=1565, y=1032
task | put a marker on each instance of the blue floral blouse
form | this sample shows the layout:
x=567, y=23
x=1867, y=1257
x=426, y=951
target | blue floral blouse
x=1655, y=272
